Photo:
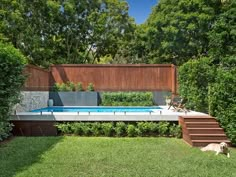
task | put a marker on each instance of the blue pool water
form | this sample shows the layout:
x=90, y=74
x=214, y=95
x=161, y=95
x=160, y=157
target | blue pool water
x=97, y=109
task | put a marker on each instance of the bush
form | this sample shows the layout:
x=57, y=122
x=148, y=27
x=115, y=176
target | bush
x=12, y=64
x=90, y=87
x=78, y=128
x=65, y=128
x=148, y=128
x=127, y=99
x=120, y=129
x=96, y=129
x=79, y=86
x=175, y=131
x=163, y=128
x=70, y=86
x=131, y=130
x=107, y=129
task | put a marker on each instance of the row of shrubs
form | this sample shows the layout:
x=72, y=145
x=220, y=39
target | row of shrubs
x=120, y=129
x=71, y=86
x=127, y=99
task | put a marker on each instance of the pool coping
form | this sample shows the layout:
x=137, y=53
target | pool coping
x=162, y=115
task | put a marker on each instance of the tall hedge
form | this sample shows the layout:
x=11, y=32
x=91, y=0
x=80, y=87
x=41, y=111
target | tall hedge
x=12, y=63
x=194, y=79
x=222, y=97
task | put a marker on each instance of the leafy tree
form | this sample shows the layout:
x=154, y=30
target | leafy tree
x=222, y=37
x=177, y=30
x=68, y=31
x=12, y=63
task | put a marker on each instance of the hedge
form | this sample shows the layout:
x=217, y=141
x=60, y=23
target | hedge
x=12, y=63
x=120, y=129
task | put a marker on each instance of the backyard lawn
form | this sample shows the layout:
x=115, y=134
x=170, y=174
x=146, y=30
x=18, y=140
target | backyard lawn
x=72, y=156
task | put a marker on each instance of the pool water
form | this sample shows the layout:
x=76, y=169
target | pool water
x=97, y=109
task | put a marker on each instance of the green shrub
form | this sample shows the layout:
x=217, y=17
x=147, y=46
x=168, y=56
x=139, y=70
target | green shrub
x=90, y=87
x=12, y=64
x=131, y=130
x=87, y=129
x=5, y=129
x=107, y=129
x=65, y=128
x=127, y=99
x=96, y=129
x=79, y=86
x=175, y=131
x=120, y=129
x=56, y=87
x=78, y=128
x=70, y=86
x=163, y=128
x=144, y=128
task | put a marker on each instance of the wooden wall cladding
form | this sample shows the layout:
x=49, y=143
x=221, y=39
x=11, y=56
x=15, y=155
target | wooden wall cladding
x=37, y=79
x=34, y=128
x=106, y=77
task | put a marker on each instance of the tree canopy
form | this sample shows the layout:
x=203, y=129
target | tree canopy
x=67, y=31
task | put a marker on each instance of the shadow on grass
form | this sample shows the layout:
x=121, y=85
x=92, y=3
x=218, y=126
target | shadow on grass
x=21, y=152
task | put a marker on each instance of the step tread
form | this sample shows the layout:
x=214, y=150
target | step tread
x=210, y=141
x=194, y=128
x=201, y=122
x=197, y=134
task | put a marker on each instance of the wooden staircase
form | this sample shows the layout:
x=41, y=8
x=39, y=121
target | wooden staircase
x=202, y=130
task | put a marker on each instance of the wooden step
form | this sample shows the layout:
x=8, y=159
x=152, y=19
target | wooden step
x=221, y=137
x=202, y=125
x=201, y=143
x=205, y=130
x=201, y=119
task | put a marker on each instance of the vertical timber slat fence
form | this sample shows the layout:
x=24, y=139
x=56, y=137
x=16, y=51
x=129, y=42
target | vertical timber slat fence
x=105, y=77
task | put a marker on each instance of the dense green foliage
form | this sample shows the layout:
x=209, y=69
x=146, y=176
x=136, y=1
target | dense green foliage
x=71, y=86
x=67, y=31
x=12, y=63
x=119, y=157
x=209, y=83
x=120, y=129
x=222, y=99
x=127, y=99
x=194, y=78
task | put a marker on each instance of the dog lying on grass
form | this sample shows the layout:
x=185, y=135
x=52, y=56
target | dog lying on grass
x=218, y=148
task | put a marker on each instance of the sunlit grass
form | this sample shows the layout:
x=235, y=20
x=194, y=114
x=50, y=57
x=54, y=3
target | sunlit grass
x=76, y=156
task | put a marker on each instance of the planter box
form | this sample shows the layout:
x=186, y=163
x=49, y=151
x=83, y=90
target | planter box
x=74, y=98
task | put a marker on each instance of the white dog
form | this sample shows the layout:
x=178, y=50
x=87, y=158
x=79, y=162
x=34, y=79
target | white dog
x=218, y=148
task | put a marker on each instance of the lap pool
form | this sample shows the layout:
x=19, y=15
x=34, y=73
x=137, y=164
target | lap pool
x=98, y=109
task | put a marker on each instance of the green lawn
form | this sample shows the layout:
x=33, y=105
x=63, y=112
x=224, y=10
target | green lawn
x=75, y=156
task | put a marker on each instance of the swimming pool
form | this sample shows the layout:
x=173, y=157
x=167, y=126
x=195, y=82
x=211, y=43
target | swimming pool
x=98, y=109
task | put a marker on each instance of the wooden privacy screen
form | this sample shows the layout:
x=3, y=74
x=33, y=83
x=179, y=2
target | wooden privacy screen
x=107, y=77
x=37, y=79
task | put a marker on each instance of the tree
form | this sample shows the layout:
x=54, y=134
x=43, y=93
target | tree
x=177, y=30
x=68, y=31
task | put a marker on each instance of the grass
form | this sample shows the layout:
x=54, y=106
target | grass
x=118, y=157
